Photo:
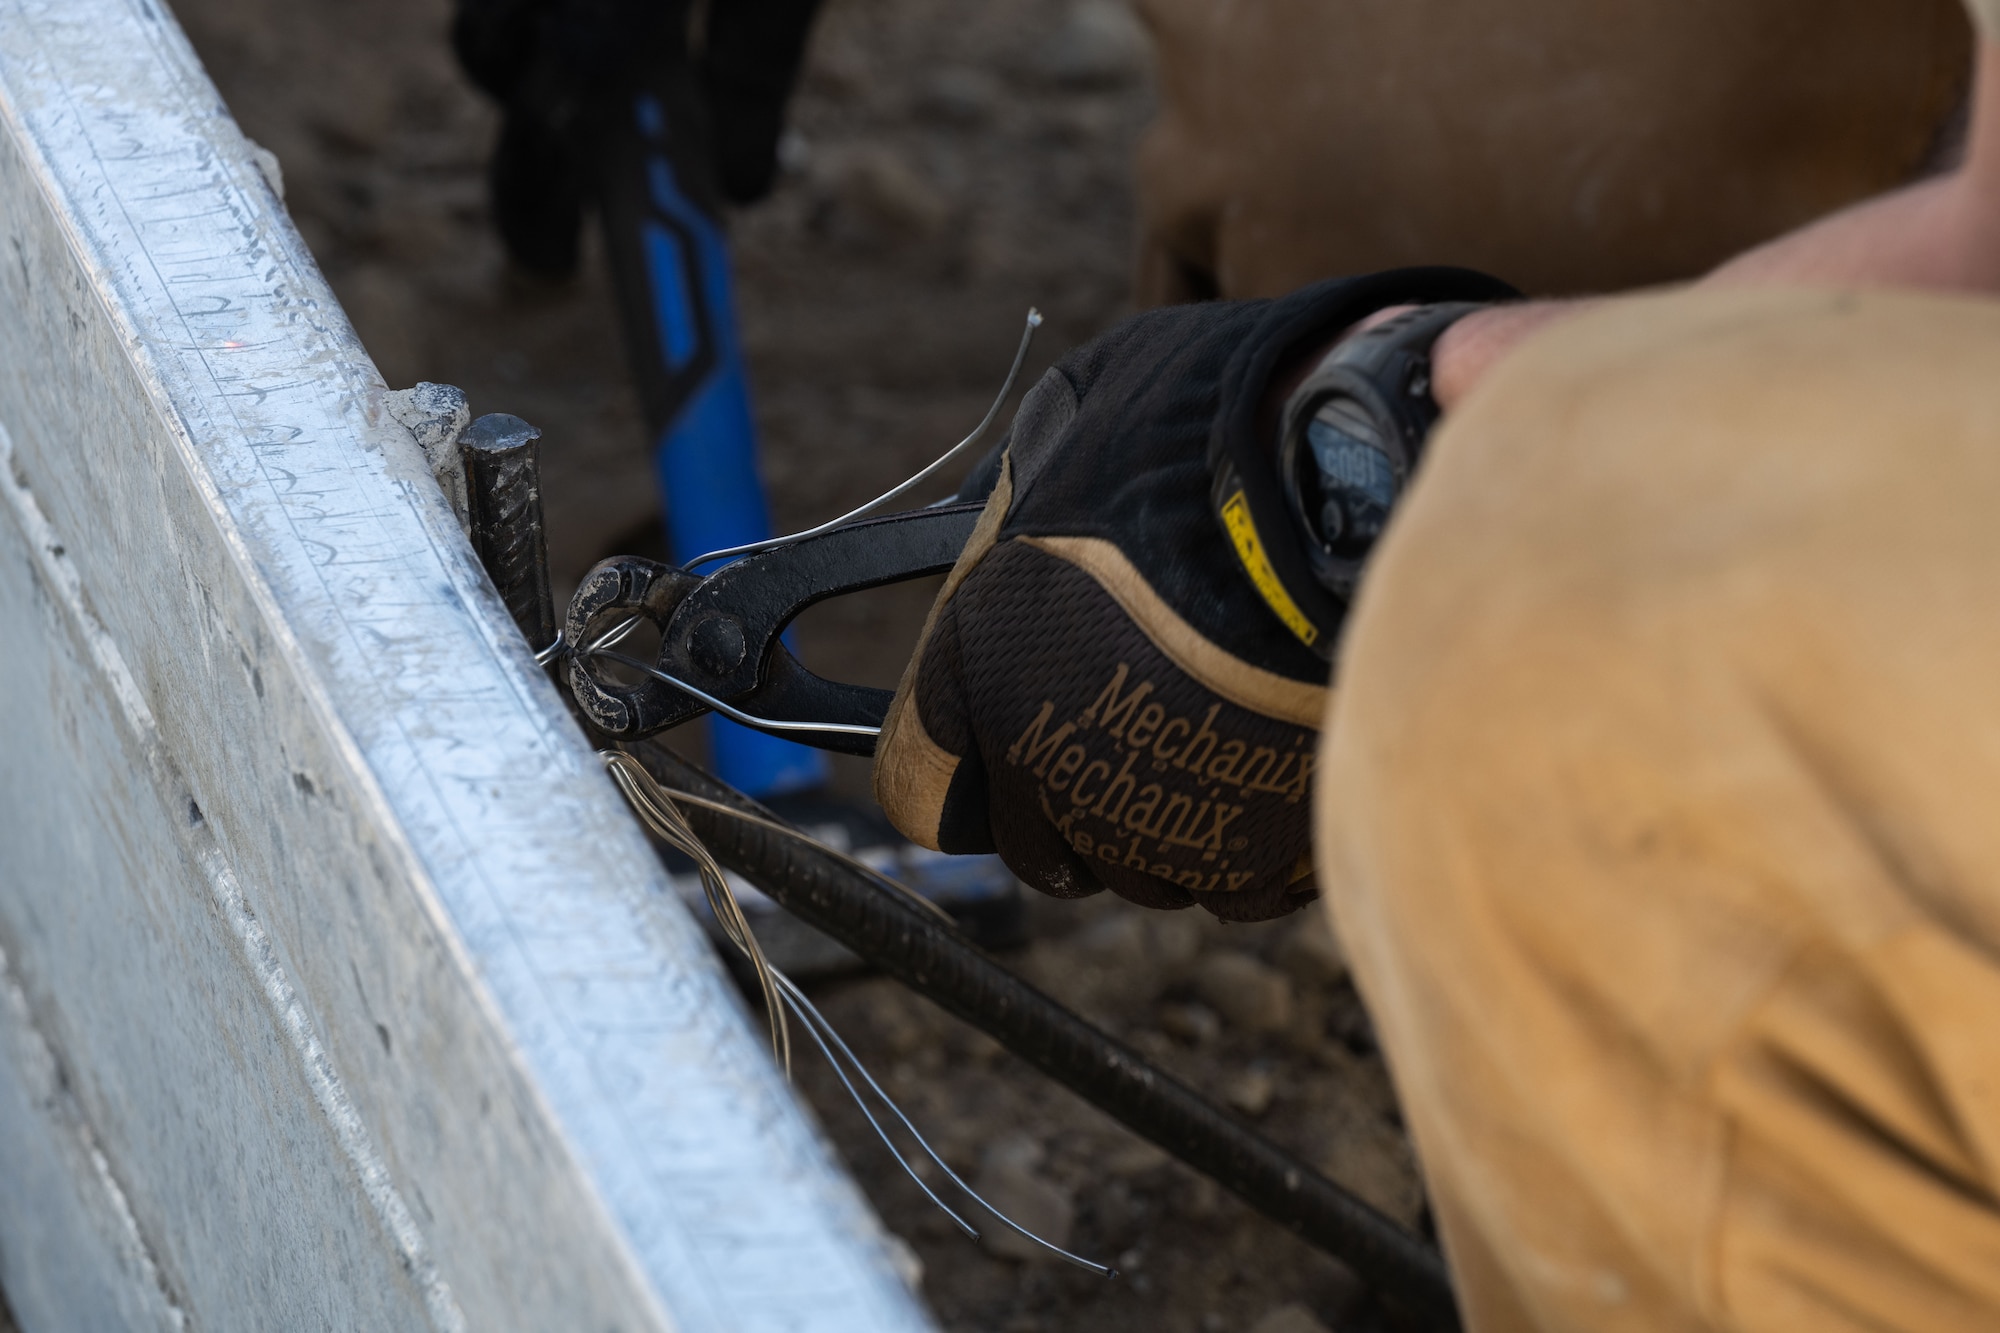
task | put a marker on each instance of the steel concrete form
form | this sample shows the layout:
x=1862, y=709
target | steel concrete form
x=337, y=990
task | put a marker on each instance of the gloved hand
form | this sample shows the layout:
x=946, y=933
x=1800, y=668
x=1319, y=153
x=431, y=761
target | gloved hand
x=1107, y=692
x=565, y=73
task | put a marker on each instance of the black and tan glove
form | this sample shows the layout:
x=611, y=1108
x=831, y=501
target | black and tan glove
x=1114, y=689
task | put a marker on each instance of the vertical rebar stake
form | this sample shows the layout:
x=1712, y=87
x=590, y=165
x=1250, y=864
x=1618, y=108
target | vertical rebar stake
x=504, y=497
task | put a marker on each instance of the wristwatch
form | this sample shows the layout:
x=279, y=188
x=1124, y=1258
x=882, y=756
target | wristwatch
x=1300, y=518
x=1351, y=435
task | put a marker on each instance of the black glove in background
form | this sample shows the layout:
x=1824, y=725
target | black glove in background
x=565, y=70
x=750, y=63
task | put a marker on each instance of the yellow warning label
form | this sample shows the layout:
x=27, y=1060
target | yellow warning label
x=1250, y=550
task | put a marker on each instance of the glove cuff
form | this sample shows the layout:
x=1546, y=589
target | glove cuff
x=1247, y=494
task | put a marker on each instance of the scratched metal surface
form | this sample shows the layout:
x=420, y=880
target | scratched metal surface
x=336, y=988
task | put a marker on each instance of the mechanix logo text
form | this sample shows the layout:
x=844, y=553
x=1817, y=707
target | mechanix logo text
x=1083, y=789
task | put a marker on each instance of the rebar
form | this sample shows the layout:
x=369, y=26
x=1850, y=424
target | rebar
x=937, y=962
x=504, y=503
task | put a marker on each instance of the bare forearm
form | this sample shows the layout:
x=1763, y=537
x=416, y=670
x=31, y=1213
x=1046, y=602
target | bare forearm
x=1468, y=349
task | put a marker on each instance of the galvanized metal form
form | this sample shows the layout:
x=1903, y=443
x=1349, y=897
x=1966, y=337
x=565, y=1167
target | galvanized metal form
x=337, y=989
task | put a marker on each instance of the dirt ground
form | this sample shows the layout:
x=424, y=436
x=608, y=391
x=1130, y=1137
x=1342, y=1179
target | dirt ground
x=952, y=164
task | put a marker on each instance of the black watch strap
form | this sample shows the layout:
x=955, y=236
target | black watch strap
x=1277, y=552
x=1352, y=433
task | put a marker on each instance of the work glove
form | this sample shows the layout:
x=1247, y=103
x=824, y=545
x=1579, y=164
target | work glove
x=750, y=61
x=565, y=73
x=1114, y=689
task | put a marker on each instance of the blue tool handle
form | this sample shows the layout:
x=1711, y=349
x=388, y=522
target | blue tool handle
x=670, y=260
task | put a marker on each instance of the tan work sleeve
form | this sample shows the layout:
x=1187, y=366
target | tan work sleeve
x=1658, y=815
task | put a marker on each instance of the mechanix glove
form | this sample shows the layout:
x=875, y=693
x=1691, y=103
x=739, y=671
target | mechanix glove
x=1110, y=691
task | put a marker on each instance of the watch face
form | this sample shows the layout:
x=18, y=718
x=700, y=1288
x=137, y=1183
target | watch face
x=1355, y=483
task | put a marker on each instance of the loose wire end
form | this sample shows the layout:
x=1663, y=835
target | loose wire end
x=903, y=488
x=657, y=808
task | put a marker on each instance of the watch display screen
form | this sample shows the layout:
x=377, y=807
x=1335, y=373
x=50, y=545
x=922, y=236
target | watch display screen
x=1356, y=480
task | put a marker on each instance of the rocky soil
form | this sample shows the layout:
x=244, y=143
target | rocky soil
x=1261, y=1017
x=953, y=163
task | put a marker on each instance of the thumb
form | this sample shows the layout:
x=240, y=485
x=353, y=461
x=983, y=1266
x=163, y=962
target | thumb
x=929, y=777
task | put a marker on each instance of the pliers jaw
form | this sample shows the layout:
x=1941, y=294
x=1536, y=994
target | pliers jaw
x=721, y=634
x=633, y=586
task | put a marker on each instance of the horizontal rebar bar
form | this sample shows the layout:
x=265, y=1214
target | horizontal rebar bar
x=934, y=960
